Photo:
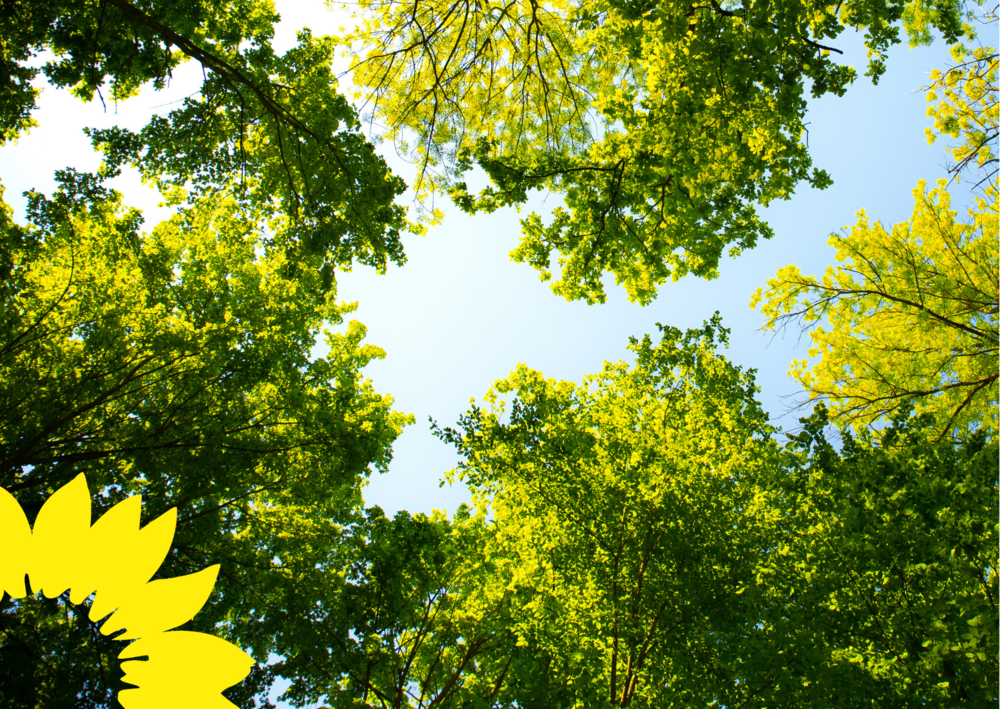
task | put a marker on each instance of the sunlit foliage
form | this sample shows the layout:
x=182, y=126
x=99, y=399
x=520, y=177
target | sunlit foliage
x=663, y=125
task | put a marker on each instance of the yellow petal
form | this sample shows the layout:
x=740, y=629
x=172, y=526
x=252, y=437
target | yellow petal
x=123, y=556
x=59, y=538
x=184, y=668
x=161, y=605
x=119, y=517
x=16, y=547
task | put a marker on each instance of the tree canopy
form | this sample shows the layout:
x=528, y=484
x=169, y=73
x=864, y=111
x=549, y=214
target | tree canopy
x=645, y=538
x=176, y=364
x=967, y=110
x=662, y=124
x=271, y=130
x=894, y=577
x=598, y=492
x=912, y=318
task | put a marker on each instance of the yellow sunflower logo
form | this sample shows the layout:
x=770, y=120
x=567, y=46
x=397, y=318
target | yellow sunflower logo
x=115, y=558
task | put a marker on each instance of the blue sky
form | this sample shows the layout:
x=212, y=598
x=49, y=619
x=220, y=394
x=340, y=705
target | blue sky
x=459, y=315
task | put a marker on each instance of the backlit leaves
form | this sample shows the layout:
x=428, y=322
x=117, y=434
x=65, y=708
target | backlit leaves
x=965, y=107
x=662, y=124
x=271, y=130
x=632, y=505
x=912, y=318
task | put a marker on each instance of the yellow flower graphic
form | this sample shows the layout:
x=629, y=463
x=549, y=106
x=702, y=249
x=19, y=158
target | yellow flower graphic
x=115, y=558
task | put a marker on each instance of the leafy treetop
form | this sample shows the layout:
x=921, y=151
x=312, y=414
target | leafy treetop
x=912, y=312
x=663, y=124
x=270, y=130
x=967, y=110
x=912, y=318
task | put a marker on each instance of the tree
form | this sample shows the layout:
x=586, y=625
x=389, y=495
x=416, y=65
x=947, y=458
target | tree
x=272, y=130
x=968, y=110
x=633, y=505
x=642, y=540
x=417, y=615
x=913, y=311
x=913, y=318
x=892, y=567
x=611, y=562
x=176, y=364
x=662, y=124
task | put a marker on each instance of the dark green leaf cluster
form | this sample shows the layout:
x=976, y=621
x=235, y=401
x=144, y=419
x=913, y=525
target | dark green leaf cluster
x=270, y=129
x=895, y=573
